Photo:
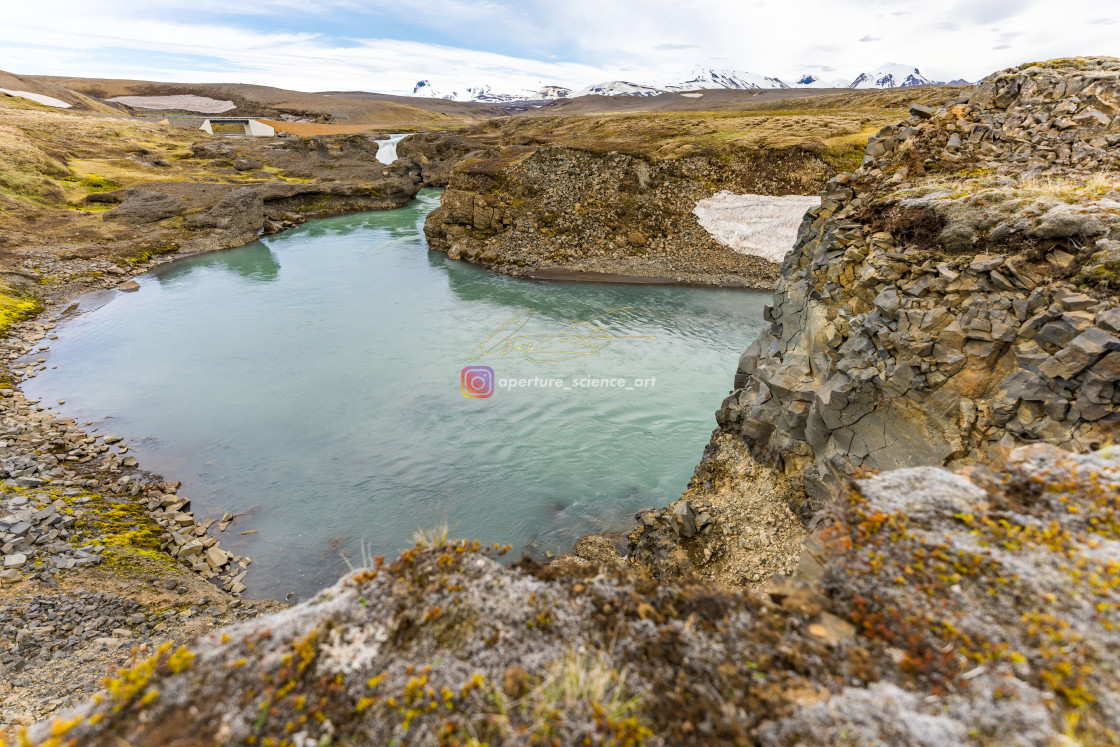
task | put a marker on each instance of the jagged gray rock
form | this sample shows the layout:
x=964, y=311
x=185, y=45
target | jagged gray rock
x=892, y=348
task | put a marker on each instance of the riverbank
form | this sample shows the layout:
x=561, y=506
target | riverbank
x=90, y=576
x=101, y=561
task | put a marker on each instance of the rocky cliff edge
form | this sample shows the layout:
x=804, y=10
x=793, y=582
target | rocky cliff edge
x=952, y=299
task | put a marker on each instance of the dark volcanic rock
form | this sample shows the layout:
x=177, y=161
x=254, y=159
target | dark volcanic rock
x=908, y=329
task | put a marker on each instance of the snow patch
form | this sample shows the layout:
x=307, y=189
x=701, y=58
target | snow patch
x=187, y=103
x=38, y=98
x=692, y=95
x=758, y=225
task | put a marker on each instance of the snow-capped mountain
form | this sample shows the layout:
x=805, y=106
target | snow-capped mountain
x=620, y=88
x=891, y=75
x=423, y=90
x=482, y=94
x=888, y=75
x=704, y=78
x=486, y=94
x=812, y=81
x=551, y=93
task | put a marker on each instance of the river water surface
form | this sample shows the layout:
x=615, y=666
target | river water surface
x=313, y=382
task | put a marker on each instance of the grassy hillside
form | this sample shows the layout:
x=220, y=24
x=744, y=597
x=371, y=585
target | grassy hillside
x=51, y=159
x=265, y=101
x=835, y=126
x=77, y=101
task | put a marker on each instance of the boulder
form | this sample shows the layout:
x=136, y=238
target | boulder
x=142, y=206
x=920, y=111
x=247, y=164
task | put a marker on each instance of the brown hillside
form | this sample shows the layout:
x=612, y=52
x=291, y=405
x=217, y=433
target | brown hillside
x=265, y=101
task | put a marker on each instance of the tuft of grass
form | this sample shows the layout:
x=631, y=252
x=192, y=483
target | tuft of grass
x=1095, y=185
x=366, y=558
x=588, y=678
x=974, y=182
x=577, y=684
x=436, y=536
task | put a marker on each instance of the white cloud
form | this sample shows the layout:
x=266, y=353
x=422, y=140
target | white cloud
x=515, y=45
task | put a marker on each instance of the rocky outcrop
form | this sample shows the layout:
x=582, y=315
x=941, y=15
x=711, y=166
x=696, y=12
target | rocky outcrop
x=949, y=301
x=938, y=608
x=901, y=334
x=286, y=181
x=554, y=211
x=323, y=157
x=145, y=206
x=436, y=154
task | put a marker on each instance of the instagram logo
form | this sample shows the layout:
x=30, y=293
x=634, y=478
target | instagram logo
x=478, y=382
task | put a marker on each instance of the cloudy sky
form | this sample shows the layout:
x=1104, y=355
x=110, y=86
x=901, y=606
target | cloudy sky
x=516, y=44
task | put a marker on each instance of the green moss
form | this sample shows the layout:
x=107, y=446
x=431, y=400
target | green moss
x=1106, y=275
x=124, y=527
x=15, y=309
x=146, y=255
x=98, y=183
x=454, y=629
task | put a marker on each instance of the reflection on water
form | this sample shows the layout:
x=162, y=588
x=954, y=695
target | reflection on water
x=254, y=262
x=326, y=400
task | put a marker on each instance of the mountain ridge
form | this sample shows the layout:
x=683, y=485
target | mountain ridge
x=699, y=78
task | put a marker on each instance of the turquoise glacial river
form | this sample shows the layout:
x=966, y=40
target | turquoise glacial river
x=312, y=382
